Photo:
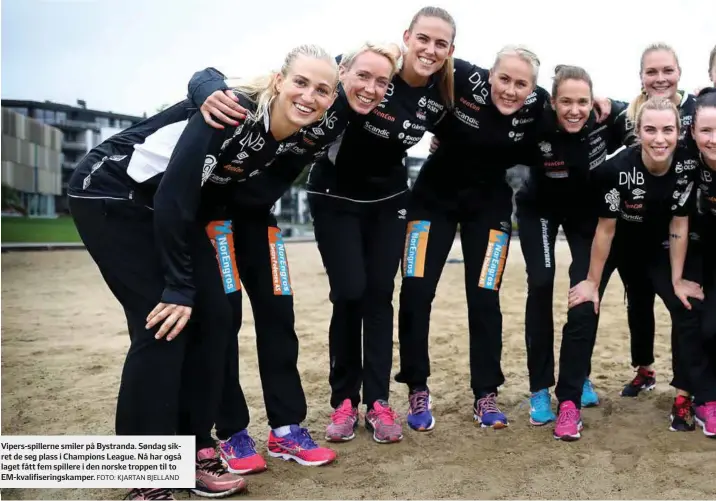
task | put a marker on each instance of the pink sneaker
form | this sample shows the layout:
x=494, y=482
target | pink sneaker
x=212, y=478
x=344, y=421
x=706, y=418
x=239, y=454
x=569, y=422
x=383, y=422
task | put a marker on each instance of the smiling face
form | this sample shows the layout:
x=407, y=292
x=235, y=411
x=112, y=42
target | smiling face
x=511, y=80
x=704, y=133
x=658, y=133
x=660, y=73
x=366, y=81
x=572, y=104
x=429, y=43
x=307, y=90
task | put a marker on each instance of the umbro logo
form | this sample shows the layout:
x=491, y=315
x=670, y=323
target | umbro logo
x=638, y=193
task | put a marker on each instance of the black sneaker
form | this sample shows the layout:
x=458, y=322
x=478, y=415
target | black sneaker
x=644, y=380
x=682, y=415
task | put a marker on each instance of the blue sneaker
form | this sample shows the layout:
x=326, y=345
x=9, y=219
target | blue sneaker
x=589, y=396
x=420, y=418
x=541, y=408
x=487, y=414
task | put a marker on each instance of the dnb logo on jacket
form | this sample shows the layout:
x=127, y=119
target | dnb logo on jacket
x=222, y=238
x=279, y=263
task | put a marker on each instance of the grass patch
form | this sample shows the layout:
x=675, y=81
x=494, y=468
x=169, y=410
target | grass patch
x=33, y=230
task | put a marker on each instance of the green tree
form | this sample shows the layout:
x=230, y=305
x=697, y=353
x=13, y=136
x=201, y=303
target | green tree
x=11, y=199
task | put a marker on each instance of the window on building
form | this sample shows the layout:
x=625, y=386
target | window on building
x=21, y=111
x=38, y=114
x=49, y=115
x=102, y=121
x=61, y=116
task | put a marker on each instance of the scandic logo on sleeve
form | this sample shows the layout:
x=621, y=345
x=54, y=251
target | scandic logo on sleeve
x=279, y=263
x=494, y=264
x=222, y=238
x=416, y=245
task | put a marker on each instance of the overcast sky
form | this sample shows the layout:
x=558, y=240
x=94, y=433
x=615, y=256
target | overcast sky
x=131, y=56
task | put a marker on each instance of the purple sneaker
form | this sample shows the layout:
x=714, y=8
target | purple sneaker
x=420, y=417
x=487, y=414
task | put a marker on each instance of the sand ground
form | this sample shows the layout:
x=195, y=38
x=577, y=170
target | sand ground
x=64, y=342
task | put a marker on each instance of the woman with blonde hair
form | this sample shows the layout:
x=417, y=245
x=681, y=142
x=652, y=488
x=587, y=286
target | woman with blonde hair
x=153, y=206
x=631, y=234
x=491, y=128
x=660, y=73
x=358, y=194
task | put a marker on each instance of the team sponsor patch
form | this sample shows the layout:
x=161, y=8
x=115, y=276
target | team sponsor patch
x=416, y=246
x=222, y=238
x=279, y=263
x=495, y=257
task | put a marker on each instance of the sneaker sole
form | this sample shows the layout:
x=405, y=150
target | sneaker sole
x=423, y=429
x=387, y=440
x=703, y=427
x=289, y=457
x=643, y=388
x=340, y=438
x=496, y=426
x=215, y=495
x=250, y=471
x=671, y=428
x=571, y=438
x=541, y=423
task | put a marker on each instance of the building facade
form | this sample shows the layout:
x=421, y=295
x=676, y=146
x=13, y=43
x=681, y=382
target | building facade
x=31, y=163
x=81, y=130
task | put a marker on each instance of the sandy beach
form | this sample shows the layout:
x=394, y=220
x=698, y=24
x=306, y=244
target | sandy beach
x=64, y=341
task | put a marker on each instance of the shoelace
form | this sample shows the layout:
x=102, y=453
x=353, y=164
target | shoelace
x=418, y=401
x=303, y=438
x=488, y=404
x=150, y=494
x=710, y=410
x=242, y=445
x=541, y=402
x=568, y=415
x=385, y=414
x=158, y=494
x=211, y=465
x=342, y=414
